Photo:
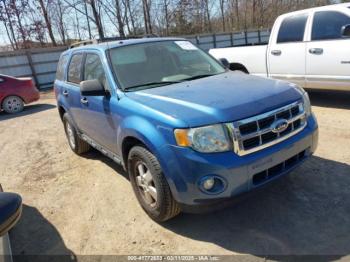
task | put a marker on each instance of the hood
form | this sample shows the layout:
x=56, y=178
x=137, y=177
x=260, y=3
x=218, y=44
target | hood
x=221, y=98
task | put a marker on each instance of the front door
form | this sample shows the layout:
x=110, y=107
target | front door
x=328, y=53
x=98, y=121
x=286, y=52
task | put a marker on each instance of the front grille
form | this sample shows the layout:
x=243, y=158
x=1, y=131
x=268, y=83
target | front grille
x=258, y=132
x=277, y=170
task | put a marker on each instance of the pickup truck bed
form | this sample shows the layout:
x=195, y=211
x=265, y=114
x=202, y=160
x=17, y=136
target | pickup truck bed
x=253, y=58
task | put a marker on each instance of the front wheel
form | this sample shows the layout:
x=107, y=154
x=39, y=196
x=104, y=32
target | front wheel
x=150, y=186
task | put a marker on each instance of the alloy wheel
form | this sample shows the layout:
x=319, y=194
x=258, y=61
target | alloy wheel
x=145, y=183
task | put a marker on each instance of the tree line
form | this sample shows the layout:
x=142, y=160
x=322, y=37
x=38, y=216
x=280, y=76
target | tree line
x=39, y=23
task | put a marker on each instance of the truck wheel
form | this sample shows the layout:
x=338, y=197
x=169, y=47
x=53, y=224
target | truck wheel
x=150, y=186
x=78, y=145
x=12, y=104
x=238, y=67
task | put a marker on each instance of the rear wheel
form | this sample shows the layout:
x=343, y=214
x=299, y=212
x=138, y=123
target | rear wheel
x=150, y=186
x=13, y=104
x=78, y=145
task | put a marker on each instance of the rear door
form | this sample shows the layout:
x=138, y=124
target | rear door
x=97, y=118
x=328, y=53
x=286, y=52
x=71, y=90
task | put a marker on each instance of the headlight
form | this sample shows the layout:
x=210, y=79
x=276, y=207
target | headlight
x=306, y=99
x=208, y=139
x=307, y=104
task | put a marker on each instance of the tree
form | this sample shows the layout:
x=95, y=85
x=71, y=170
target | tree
x=147, y=16
x=222, y=5
x=97, y=18
x=47, y=20
x=6, y=18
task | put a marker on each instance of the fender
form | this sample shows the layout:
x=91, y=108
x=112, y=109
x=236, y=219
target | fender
x=145, y=131
x=60, y=104
x=141, y=129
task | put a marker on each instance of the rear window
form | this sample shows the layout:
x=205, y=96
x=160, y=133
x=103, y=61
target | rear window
x=60, y=67
x=292, y=29
x=74, y=70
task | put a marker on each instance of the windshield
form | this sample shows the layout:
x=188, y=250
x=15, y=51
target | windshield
x=156, y=64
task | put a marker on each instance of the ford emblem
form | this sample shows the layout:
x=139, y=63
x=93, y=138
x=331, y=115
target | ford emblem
x=279, y=125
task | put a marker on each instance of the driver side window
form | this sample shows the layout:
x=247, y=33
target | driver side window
x=94, y=70
x=327, y=25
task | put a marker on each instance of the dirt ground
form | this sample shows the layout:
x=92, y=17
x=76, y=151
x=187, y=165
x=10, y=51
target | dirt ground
x=85, y=205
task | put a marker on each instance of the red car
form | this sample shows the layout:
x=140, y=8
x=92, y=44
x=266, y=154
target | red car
x=15, y=92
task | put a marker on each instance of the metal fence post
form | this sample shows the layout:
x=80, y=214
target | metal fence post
x=246, y=37
x=214, y=40
x=197, y=40
x=231, y=38
x=259, y=36
x=32, y=68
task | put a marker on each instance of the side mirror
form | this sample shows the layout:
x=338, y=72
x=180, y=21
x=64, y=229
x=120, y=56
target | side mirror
x=10, y=211
x=92, y=88
x=224, y=62
x=345, y=31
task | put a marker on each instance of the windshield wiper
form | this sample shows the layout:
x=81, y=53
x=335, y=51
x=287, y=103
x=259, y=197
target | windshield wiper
x=156, y=84
x=198, y=77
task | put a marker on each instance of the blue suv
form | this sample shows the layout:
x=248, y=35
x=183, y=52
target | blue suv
x=189, y=132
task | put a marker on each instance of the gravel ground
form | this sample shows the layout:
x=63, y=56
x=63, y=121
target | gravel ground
x=85, y=205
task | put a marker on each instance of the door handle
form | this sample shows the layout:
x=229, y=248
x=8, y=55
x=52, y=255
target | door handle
x=84, y=101
x=316, y=51
x=65, y=93
x=276, y=52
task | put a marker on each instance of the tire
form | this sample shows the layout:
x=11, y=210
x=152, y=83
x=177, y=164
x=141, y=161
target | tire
x=159, y=205
x=78, y=145
x=13, y=104
x=238, y=67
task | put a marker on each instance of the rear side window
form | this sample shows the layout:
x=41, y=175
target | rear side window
x=74, y=70
x=292, y=29
x=60, y=67
x=328, y=25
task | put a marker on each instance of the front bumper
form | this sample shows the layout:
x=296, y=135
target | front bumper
x=184, y=167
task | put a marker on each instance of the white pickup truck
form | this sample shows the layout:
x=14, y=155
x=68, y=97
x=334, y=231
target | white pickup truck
x=310, y=48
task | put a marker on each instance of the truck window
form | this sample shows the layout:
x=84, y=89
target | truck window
x=292, y=29
x=93, y=69
x=327, y=25
x=60, y=67
x=74, y=70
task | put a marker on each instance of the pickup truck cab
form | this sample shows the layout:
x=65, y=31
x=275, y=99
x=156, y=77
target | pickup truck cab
x=189, y=132
x=308, y=47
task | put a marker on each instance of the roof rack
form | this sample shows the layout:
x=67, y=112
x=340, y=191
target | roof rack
x=107, y=39
x=83, y=43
